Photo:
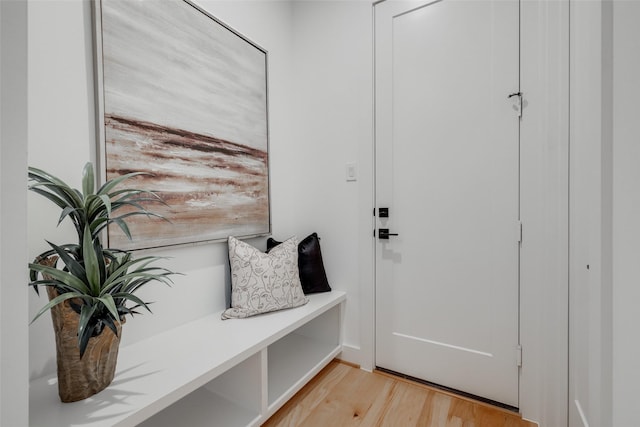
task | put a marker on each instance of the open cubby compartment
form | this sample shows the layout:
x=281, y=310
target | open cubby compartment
x=298, y=356
x=231, y=399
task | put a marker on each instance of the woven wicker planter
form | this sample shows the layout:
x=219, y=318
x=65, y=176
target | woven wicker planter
x=79, y=378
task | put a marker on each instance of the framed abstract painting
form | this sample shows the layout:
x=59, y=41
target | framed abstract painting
x=183, y=97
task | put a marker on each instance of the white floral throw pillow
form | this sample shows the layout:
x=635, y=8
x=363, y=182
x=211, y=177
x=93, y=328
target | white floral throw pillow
x=263, y=282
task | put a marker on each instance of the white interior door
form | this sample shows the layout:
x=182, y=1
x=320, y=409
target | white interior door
x=447, y=167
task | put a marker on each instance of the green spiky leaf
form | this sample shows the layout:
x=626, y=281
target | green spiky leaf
x=88, y=180
x=91, y=262
x=52, y=303
x=63, y=277
x=110, y=304
x=85, y=326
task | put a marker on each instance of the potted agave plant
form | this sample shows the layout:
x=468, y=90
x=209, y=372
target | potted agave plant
x=91, y=288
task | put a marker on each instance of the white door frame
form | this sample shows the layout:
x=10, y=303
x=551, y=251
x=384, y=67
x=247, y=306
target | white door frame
x=544, y=268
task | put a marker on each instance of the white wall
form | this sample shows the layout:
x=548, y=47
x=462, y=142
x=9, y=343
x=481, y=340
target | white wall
x=626, y=212
x=605, y=152
x=61, y=140
x=325, y=121
x=585, y=136
x=14, y=387
x=320, y=118
x=606, y=114
x=590, y=218
x=60, y=132
x=332, y=121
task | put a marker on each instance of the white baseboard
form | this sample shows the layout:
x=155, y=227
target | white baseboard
x=351, y=354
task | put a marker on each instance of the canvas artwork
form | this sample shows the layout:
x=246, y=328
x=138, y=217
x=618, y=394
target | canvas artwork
x=184, y=98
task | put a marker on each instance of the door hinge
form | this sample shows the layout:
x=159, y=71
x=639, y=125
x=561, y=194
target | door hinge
x=518, y=105
x=519, y=355
x=519, y=231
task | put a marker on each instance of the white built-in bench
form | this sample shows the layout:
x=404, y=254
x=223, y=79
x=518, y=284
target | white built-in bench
x=208, y=372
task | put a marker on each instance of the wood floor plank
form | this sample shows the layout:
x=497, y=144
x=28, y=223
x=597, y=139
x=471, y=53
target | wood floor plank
x=435, y=411
x=405, y=407
x=378, y=408
x=294, y=412
x=342, y=395
x=350, y=401
x=454, y=422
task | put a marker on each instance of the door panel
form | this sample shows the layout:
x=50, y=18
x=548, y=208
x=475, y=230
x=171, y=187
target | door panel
x=447, y=167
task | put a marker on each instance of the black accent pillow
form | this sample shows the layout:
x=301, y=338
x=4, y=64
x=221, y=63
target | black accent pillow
x=312, y=274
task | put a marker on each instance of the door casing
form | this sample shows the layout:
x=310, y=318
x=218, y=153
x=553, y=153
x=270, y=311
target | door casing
x=448, y=170
x=545, y=153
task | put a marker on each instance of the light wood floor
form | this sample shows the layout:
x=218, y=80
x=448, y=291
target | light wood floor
x=342, y=395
